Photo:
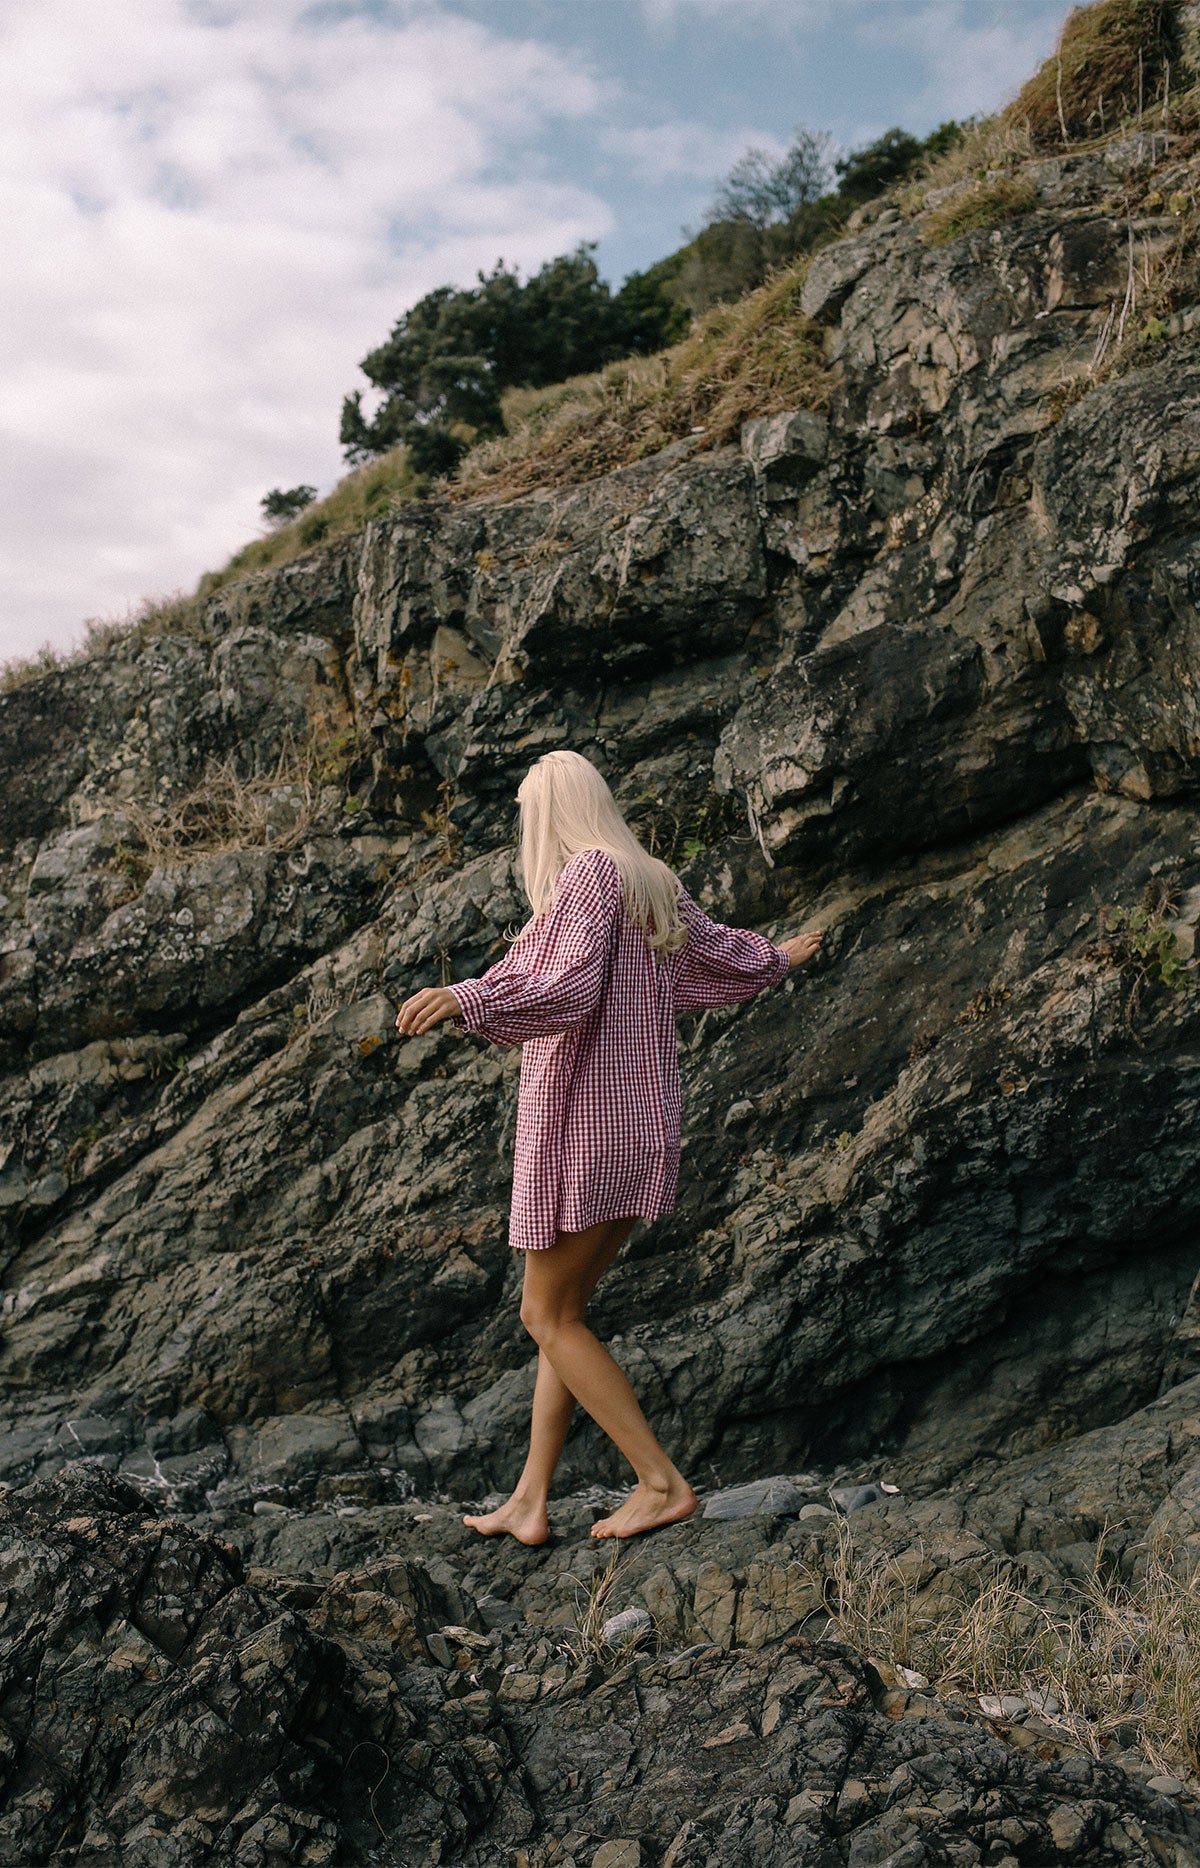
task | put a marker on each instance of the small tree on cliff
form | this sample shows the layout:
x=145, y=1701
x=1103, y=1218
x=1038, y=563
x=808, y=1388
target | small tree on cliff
x=449, y=359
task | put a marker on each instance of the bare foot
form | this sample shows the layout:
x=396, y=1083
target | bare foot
x=527, y=1523
x=647, y=1507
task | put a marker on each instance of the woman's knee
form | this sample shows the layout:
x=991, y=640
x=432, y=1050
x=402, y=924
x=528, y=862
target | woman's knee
x=545, y=1318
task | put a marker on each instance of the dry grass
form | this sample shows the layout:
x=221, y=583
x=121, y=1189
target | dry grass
x=1109, y=68
x=370, y=492
x=755, y=357
x=1122, y=1658
x=1157, y=291
x=156, y=616
x=985, y=204
x=227, y=810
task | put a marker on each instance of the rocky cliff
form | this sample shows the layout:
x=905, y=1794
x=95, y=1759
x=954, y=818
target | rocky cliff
x=920, y=665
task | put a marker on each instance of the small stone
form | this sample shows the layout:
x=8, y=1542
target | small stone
x=850, y=1498
x=264, y=1505
x=621, y=1852
x=1067, y=1825
x=729, y=1736
x=1168, y=1786
x=759, y=1498
x=911, y=1677
x=808, y=1512
x=629, y=1625
x=1012, y=1706
x=739, y=1113
x=990, y=1707
x=522, y=1687
x=804, y=1808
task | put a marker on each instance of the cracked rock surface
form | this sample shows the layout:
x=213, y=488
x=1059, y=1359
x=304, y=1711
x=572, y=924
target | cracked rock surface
x=921, y=669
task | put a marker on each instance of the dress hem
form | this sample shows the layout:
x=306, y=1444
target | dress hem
x=660, y=1212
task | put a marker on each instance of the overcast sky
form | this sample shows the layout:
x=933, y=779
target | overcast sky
x=213, y=208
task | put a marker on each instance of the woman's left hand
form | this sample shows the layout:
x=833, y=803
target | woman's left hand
x=426, y=1009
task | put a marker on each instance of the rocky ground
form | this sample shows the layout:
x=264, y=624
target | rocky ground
x=921, y=668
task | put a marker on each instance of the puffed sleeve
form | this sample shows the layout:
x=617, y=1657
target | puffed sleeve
x=553, y=974
x=722, y=965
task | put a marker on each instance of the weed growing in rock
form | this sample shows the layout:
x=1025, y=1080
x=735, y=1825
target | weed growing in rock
x=677, y=829
x=592, y=1607
x=1120, y=1662
x=1143, y=947
x=225, y=810
x=994, y=199
x=442, y=824
x=981, y=1003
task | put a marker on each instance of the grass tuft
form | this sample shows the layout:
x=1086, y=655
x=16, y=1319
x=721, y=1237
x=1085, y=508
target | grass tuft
x=988, y=202
x=227, y=810
x=370, y=492
x=1109, y=68
x=1121, y=1660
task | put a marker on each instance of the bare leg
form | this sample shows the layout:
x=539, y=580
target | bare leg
x=552, y=1311
x=524, y=1513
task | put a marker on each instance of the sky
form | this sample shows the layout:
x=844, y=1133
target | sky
x=212, y=209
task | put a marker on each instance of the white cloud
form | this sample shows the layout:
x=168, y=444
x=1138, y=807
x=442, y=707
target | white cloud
x=209, y=216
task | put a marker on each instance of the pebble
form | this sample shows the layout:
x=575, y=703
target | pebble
x=1168, y=1786
x=629, y=1625
x=850, y=1498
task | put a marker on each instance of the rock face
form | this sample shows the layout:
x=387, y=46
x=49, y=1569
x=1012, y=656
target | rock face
x=922, y=670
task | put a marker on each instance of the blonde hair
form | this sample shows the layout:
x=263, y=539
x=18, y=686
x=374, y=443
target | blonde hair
x=566, y=806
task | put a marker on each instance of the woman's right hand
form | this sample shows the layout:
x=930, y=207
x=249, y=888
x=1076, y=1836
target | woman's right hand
x=802, y=947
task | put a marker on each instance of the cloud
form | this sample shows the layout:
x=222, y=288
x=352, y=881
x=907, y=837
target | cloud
x=210, y=213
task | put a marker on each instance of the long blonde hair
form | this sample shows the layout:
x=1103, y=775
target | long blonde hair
x=566, y=806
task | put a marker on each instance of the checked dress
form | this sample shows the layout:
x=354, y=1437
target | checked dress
x=598, y=1110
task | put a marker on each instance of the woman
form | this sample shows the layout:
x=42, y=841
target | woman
x=590, y=988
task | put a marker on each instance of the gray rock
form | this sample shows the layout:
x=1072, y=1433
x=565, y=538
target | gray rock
x=628, y=1626
x=850, y=1498
x=762, y=1498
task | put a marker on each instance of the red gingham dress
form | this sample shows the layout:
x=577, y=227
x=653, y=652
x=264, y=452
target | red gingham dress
x=597, y=1133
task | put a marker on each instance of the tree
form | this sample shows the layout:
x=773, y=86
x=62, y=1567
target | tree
x=766, y=190
x=867, y=172
x=281, y=505
x=448, y=360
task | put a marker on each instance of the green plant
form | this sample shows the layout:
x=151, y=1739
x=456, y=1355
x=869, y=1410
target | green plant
x=1142, y=946
x=448, y=359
